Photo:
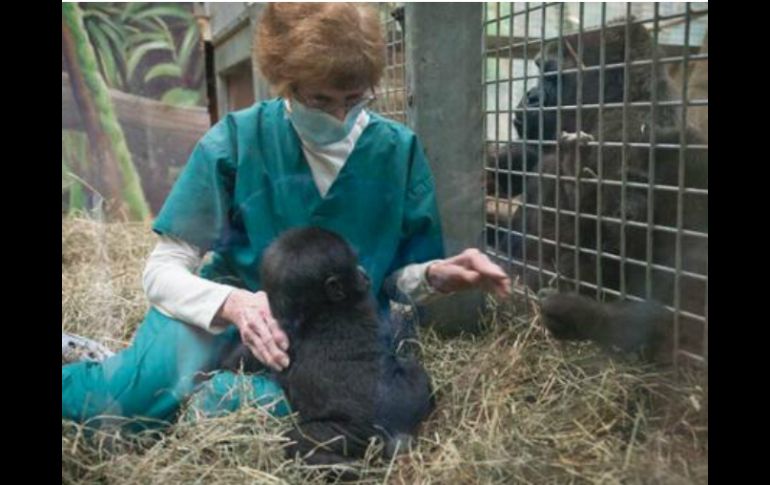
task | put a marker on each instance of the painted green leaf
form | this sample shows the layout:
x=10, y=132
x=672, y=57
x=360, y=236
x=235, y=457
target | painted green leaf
x=165, y=69
x=181, y=97
x=164, y=11
x=137, y=36
x=188, y=46
x=106, y=59
x=139, y=52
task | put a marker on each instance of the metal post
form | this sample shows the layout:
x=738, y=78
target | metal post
x=262, y=88
x=444, y=63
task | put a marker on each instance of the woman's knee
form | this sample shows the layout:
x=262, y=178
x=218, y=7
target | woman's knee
x=150, y=378
x=226, y=392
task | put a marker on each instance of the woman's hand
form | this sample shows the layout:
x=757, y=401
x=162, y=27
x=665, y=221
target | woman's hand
x=469, y=269
x=260, y=332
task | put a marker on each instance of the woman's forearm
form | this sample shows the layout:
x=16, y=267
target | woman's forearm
x=171, y=285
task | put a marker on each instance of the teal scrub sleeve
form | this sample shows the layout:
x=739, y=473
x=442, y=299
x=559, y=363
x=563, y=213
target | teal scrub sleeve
x=198, y=208
x=421, y=235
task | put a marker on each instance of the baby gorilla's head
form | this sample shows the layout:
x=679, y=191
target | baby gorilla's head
x=308, y=270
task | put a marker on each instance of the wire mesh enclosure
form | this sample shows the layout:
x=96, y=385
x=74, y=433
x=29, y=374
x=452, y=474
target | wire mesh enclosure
x=391, y=93
x=596, y=125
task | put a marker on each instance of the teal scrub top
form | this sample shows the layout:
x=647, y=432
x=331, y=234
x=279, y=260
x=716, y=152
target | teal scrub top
x=247, y=181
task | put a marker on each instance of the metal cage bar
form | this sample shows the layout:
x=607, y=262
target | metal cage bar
x=391, y=93
x=611, y=215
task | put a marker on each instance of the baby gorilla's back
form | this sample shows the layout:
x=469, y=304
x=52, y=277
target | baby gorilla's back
x=344, y=380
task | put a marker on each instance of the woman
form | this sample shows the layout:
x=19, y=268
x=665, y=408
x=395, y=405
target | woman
x=313, y=156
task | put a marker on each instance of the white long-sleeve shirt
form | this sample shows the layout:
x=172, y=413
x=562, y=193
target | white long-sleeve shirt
x=173, y=287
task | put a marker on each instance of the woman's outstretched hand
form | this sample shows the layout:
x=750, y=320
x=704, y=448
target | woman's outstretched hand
x=469, y=269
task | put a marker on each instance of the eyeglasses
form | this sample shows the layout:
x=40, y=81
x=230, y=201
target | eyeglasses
x=330, y=106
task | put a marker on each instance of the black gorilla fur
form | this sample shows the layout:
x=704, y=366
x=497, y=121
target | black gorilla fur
x=582, y=190
x=345, y=380
x=625, y=326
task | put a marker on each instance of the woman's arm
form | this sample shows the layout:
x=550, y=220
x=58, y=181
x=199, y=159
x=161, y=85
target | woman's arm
x=424, y=282
x=171, y=285
x=421, y=281
x=469, y=269
x=411, y=282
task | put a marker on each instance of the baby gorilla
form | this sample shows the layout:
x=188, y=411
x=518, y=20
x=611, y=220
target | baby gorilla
x=344, y=380
x=625, y=326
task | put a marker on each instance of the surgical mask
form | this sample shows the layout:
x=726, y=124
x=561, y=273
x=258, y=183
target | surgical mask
x=321, y=128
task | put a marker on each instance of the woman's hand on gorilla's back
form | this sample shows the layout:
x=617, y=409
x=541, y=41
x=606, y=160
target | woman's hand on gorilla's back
x=260, y=332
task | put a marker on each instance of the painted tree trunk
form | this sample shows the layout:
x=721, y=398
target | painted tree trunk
x=115, y=175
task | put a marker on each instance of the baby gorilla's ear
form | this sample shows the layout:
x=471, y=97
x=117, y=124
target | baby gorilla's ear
x=334, y=288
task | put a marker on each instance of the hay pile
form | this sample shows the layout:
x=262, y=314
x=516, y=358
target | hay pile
x=513, y=405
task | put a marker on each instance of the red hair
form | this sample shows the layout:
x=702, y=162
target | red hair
x=338, y=44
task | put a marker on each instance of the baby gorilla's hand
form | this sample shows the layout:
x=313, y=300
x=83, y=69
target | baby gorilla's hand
x=260, y=332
